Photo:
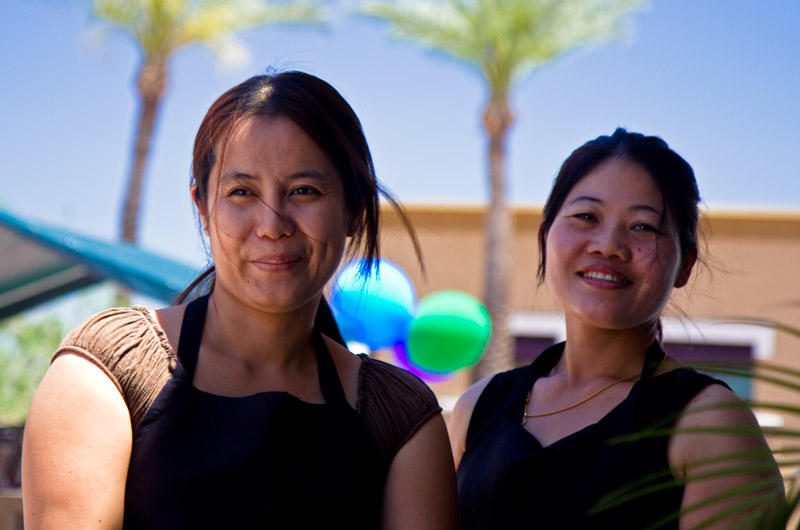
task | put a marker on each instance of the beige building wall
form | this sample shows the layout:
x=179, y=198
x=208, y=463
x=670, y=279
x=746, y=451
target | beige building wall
x=751, y=270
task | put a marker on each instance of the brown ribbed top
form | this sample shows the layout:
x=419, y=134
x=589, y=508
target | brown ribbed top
x=130, y=346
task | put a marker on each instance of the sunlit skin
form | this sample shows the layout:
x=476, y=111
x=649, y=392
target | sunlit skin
x=613, y=256
x=275, y=217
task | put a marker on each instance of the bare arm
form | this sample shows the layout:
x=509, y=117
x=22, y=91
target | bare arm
x=460, y=418
x=713, y=463
x=421, y=486
x=76, y=449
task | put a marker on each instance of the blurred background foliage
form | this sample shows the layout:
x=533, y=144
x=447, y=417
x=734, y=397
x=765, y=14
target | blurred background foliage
x=27, y=341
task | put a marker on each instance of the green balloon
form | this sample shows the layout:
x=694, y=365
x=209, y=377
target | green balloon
x=449, y=332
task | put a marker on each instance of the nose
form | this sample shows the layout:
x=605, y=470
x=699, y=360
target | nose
x=274, y=222
x=610, y=242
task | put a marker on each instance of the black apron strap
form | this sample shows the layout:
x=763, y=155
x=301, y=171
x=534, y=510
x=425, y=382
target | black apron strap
x=191, y=333
x=652, y=360
x=189, y=347
x=329, y=381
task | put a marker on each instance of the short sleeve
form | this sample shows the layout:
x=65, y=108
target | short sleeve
x=393, y=404
x=131, y=348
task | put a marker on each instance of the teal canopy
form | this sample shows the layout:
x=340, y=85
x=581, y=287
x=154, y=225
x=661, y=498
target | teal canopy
x=40, y=262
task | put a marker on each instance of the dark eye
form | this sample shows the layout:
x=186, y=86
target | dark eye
x=304, y=190
x=239, y=192
x=585, y=216
x=644, y=227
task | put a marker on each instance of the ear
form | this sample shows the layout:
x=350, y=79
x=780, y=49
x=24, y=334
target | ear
x=354, y=223
x=202, y=209
x=686, y=268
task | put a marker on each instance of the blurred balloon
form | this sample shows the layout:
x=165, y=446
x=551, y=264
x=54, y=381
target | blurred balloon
x=449, y=332
x=401, y=355
x=375, y=309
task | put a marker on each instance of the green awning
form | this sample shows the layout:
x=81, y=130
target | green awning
x=40, y=262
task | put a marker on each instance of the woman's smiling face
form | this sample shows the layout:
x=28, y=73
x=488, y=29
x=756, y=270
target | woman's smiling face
x=613, y=256
x=275, y=216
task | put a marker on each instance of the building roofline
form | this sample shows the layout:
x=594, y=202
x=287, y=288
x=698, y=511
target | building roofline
x=713, y=212
x=716, y=221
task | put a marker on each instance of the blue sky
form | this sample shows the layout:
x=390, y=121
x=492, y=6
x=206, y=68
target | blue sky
x=719, y=80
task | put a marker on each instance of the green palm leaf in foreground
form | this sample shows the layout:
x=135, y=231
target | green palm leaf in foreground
x=757, y=503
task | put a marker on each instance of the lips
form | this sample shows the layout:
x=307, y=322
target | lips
x=277, y=262
x=606, y=275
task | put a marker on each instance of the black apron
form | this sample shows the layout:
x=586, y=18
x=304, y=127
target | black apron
x=268, y=460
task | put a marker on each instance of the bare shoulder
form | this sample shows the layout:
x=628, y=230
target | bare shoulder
x=461, y=415
x=716, y=405
x=78, y=435
x=706, y=426
x=342, y=356
x=420, y=489
x=170, y=319
x=720, y=454
x=466, y=403
x=348, y=366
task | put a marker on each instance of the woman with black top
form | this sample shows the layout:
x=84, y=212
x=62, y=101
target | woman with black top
x=577, y=439
x=242, y=408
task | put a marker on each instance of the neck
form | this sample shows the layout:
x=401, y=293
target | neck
x=254, y=337
x=590, y=353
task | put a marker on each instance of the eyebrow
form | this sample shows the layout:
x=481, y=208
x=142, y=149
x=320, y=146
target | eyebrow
x=635, y=207
x=235, y=175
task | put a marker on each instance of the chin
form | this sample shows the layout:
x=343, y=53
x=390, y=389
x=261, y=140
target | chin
x=617, y=322
x=268, y=300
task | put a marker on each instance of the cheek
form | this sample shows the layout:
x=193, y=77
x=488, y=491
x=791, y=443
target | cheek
x=662, y=265
x=227, y=225
x=330, y=225
x=559, y=247
x=555, y=268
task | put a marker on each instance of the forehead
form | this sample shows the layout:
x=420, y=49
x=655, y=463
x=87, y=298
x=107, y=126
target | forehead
x=618, y=182
x=265, y=132
x=274, y=144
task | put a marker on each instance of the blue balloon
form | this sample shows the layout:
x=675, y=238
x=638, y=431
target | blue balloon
x=375, y=308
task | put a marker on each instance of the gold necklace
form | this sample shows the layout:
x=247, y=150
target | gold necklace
x=525, y=414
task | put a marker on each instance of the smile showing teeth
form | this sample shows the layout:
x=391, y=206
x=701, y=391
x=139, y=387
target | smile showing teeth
x=603, y=276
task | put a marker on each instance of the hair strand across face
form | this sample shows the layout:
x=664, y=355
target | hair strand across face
x=317, y=108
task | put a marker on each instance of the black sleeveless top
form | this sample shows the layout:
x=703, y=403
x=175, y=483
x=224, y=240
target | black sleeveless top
x=268, y=460
x=606, y=475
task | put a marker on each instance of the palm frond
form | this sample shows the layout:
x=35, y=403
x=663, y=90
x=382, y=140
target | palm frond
x=754, y=504
x=162, y=26
x=504, y=39
x=207, y=24
x=740, y=508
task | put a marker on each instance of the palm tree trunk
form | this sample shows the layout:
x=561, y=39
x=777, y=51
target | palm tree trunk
x=499, y=356
x=151, y=86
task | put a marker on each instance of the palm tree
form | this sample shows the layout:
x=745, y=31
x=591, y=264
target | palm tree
x=505, y=40
x=159, y=28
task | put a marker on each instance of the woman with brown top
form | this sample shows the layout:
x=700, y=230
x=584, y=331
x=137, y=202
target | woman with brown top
x=242, y=408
